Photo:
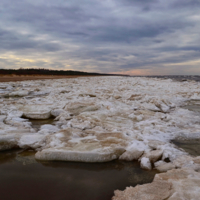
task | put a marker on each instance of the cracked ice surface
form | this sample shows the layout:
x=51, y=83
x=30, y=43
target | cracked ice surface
x=100, y=114
x=99, y=119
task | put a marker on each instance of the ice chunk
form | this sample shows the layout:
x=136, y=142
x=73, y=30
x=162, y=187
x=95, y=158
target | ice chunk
x=50, y=128
x=163, y=107
x=37, y=111
x=133, y=151
x=145, y=163
x=163, y=166
x=19, y=93
x=134, y=97
x=63, y=116
x=56, y=112
x=86, y=153
x=73, y=145
x=78, y=107
x=32, y=141
x=134, y=154
x=154, y=155
x=182, y=160
x=8, y=142
x=15, y=113
x=155, y=144
x=195, y=97
x=9, y=138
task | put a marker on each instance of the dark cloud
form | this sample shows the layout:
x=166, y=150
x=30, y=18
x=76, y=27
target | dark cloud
x=185, y=3
x=142, y=3
x=132, y=34
x=108, y=35
x=172, y=57
x=191, y=48
x=12, y=41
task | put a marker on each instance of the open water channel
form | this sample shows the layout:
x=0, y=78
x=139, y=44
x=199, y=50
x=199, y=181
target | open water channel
x=22, y=177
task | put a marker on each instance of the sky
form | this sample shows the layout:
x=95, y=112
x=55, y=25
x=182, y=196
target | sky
x=135, y=37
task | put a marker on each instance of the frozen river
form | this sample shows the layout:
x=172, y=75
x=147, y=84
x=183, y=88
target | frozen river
x=102, y=119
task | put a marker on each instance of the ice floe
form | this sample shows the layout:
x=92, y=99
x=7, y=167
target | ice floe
x=35, y=111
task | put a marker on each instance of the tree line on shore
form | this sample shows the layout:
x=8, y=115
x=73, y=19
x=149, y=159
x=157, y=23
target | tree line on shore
x=33, y=71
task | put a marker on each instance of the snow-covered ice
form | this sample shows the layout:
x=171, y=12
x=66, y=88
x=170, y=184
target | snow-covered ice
x=99, y=119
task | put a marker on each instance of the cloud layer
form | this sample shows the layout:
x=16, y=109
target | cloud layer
x=110, y=36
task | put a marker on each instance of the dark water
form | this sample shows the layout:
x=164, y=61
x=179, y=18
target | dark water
x=37, y=123
x=177, y=77
x=22, y=177
x=191, y=146
x=193, y=106
x=180, y=77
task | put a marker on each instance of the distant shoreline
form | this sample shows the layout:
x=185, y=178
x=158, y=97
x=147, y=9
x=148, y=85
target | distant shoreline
x=8, y=75
x=14, y=78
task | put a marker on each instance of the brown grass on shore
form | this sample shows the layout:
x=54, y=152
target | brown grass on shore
x=13, y=77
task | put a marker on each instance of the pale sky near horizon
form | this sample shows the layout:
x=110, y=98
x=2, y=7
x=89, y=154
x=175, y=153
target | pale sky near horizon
x=136, y=37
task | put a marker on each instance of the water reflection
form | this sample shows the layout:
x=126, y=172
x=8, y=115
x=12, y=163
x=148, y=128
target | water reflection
x=24, y=178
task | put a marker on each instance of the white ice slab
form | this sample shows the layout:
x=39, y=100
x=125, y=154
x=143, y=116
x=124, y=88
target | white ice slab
x=81, y=155
x=35, y=111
